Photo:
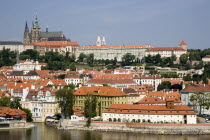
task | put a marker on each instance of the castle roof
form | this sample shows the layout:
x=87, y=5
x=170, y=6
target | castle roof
x=51, y=34
x=11, y=43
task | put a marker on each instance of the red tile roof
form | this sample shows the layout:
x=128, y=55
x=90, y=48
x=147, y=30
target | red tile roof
x=197, y=88
x=149, y=109
x=123, y=46
x=100, y=91
x=166, y=49
x=182, y=43
x=111, y=81
x=147, y=77
x=56, y=43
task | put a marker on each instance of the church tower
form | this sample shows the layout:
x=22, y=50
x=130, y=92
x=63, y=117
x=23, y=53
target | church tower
x=26, y=34
x=35, y=33
x=103, y=42
x=98, y=42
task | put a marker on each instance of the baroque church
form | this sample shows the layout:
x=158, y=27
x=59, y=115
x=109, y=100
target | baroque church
x=36, y=35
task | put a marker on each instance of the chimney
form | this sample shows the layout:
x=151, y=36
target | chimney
x=170, y=104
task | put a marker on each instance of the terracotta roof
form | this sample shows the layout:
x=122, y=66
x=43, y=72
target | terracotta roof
x=147, y=77
x=111, y=81
x=156, y=100
x=78, y=111
x=100, y=91
x=182, y=43
x=173, y=80
x=197, y=88
x=4, y=111
x=123, y=46
x=149, y=109
x=166, y=49
x=56, y=43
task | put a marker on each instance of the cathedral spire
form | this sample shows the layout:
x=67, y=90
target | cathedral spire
x=36, y=24
x=98, y=42
x=26, y=26
x=103, y=42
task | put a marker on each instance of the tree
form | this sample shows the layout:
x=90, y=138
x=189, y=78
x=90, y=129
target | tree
x=28, y=114
x=66, y=100
x=90, y=108
x=164, y=85
x=90, y=59
x=82, y=57
x=128, y=59
x=183, y=59
x=29, y=54
x=61, y=76
x=176, y=86
x=187, y=78
x=198, y=100
x=5, y=102
x=15, y=104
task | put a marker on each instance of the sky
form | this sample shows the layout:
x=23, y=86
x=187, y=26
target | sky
x=159, y=23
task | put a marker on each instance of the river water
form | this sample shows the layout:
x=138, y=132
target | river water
x=43, y=132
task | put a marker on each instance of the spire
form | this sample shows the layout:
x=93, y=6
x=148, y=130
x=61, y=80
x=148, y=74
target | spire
x=103, y=42
x=46, y=28
x=26, y=26
x=98, y=42
x=36, y=24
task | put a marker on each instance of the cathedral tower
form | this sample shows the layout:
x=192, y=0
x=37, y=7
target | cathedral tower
x=103, y=42
x=35, y=33
x=26, y=34
x=98, y=42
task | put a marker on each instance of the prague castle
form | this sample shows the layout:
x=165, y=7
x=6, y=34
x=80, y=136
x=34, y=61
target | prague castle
x=36, y=35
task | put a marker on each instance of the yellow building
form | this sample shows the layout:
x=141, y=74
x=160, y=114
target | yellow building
x=105, y=97
x=49, y=109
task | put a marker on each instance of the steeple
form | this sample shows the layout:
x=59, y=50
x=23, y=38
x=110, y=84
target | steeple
x=98, y=42
x=103, y=42
x=26, y=34
x=36, y=24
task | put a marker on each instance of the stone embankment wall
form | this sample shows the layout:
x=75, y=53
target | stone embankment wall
x=196, y=129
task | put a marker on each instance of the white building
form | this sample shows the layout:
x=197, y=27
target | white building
x=168, y=51
x=112, y=52
x=28, y=65
x=169, y=113
x=153, y=80
x=14, y=46
x=24, y=75
x=206, y=59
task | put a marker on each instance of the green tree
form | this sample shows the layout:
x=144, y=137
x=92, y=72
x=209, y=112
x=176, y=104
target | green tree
x=15, y=104
x=82, y=57
x=29, y=54
x=90, y=59
x=183, y=59
x=128, y=59
x=28, y=114
x=187, y=78
x=90, y=108
x=164, y=85
x=61, y=76
x=198, y=99
x=66, y=100
x=5, y=102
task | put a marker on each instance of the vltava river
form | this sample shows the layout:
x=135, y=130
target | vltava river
x=43, y=132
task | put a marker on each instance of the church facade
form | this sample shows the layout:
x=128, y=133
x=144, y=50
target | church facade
x=36, y=35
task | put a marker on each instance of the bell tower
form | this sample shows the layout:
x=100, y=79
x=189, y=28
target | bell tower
x=35, y=33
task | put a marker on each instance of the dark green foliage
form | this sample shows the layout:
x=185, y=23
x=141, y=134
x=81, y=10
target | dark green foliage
x=15, y=104
x=5, y=102
x=28, y=115
x=29, y=54
x=7, y=57
x=128, y=59
x=187, y=78
x=176, y=86
x=164, y=85
x=66, y=100
x=62, y=76
x=90, y=108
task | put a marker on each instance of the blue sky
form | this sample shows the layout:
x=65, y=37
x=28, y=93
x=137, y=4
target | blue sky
x=160, y=23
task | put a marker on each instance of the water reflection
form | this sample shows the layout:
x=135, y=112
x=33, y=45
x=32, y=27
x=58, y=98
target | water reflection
x=43, y=132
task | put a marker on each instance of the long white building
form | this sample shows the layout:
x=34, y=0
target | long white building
x=110, y=52
x=169, y=113
x=14, y=46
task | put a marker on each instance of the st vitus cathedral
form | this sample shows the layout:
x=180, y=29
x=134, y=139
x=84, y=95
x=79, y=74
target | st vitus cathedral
x=36, y=35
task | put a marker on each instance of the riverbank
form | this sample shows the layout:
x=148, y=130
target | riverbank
x=163, y=129
x=26, y=126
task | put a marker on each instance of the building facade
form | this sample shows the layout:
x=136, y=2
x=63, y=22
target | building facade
x=169, y=113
